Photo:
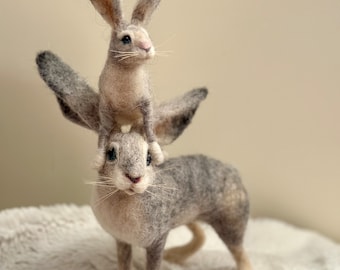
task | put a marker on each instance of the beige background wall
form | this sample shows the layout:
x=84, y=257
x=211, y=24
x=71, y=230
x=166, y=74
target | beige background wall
x=272, y=68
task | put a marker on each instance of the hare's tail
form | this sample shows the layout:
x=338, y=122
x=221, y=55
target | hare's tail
x=178, y=255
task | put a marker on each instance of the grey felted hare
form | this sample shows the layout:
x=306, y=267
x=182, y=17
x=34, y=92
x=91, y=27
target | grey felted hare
x=124, y=92
x=137, y=202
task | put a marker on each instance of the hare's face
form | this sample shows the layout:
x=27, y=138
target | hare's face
x=131, y=45
x=127, y=164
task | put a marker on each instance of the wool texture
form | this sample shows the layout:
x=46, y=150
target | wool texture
x=68, y=237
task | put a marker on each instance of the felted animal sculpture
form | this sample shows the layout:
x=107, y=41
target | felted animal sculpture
x=139, y=203
x=124, y=92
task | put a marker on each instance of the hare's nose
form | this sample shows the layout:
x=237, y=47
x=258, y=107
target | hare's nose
x=134, y=180
x=146, y=46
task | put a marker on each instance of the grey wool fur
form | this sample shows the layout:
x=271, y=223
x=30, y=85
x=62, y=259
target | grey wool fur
x=138, y=202
x=124, y=92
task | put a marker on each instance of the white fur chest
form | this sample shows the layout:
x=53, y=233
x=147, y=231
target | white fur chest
x=123, y=218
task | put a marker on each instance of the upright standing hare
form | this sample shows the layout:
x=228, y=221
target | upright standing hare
x=137, y=202
x=125, y=97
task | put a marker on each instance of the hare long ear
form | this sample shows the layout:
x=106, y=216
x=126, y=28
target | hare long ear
x=78, y=101
x=171, y=118
x=110, y=11
x=143, y=11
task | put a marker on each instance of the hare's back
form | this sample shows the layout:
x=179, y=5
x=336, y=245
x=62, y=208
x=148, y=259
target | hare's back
x=199, y=175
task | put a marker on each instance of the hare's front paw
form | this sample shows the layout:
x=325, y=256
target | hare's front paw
x=156, y=153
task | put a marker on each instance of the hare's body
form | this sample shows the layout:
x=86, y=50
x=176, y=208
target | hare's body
x=138, y=203
x=123, y=92
x=184, y=189
x=125, y=96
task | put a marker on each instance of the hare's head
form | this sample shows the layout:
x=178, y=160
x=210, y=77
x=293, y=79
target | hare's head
x=130, y=42
x=126, y=162
x=123, y=157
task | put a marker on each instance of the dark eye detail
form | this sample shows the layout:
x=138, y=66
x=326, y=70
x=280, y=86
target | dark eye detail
x=148, y=159
x=126, y=39
x=111, y=155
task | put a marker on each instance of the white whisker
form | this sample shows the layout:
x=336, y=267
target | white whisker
x=99, y=184
x=159, y=170
x=164, y=186
x=125, y=54
x=121, y=52
x=163, y=53
x=165, y=194
x=166, y=41
x=159, y=195
x=154, y=195
x=105, y=197
x=103, y=181
x=126, y=57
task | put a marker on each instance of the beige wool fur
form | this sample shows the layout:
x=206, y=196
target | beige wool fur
x=124, y=89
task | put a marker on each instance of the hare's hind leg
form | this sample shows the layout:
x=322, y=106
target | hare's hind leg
x=233, y=238
x=240, y=257
x=230, y=228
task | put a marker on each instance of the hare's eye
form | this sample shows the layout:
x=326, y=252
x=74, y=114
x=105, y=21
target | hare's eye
x=111, y=155
x=148, y=159
x=126, y=39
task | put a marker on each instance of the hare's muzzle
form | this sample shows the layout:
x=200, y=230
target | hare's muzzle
x=134, y=180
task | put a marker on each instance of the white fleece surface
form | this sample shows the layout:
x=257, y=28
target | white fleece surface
x=67, y=237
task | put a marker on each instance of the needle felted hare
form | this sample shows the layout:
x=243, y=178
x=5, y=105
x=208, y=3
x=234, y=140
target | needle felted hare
x=137, y=202
x=125, y=97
